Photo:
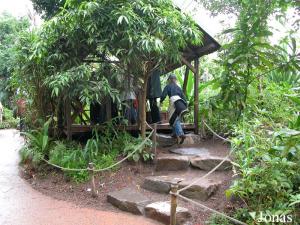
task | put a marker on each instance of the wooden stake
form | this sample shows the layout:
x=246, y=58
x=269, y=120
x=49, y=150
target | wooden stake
x=174, y=189
x=203, y=132
x=92, y=177
x=154, y=141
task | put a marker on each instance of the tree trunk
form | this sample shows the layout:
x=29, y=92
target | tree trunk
x=143, y=107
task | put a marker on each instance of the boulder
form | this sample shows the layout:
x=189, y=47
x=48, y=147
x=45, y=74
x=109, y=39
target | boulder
x=160, y=211
x=208, y=162
x=128, y=200
x=172, y=162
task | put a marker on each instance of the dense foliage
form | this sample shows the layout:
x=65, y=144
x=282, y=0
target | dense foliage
x=254, y=98
x=10, y=29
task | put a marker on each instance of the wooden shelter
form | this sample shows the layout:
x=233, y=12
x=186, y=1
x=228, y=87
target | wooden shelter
x=190, y=59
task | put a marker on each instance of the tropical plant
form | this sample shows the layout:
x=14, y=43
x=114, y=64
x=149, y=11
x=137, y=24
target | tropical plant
x=249, y=55
x=37, y=145
x=39, y=142
x=142, y=154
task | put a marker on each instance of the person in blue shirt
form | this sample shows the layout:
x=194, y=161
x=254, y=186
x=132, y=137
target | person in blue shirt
x=177, y=107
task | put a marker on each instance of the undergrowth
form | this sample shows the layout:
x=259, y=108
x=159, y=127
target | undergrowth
x=8, y=120
x=103, y=149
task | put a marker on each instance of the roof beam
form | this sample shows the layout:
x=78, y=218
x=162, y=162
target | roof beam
x=188, y=64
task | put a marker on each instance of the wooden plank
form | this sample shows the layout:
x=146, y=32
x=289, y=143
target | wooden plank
x=77, y=128
x=196, y=97
x=188, y=64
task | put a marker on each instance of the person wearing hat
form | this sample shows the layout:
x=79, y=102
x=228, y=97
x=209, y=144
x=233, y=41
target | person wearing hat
x=177, y=106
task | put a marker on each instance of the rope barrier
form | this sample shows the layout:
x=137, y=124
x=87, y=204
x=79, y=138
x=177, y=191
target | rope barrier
x=128, y=156
x=209, y=209
x=148, y=125
x=214, y=169
x=103, y=169
x=64, y=168
x=204, y=176
x=207, y=174
x=224, y=139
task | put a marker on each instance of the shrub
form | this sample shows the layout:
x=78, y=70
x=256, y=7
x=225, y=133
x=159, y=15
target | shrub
x=267, y=145
x=8, y=120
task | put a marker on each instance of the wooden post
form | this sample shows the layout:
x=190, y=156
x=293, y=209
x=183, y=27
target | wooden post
x=92, y=177
x=174, y=189
x=186, y=78
x=108, y=109
x=203, y=132
x=154, y=141
x=196, y=97
x=68, y=119
x=60, y=117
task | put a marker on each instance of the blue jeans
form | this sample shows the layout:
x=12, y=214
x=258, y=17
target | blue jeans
x=177, y=129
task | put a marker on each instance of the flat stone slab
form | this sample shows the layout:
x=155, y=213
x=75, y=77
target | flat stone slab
x=190, y=151
x=128, y=200
x=201, y=190
x=164, y=140
x=160, y=184
x=209, y=162
x=172, y=162
x=160, y=211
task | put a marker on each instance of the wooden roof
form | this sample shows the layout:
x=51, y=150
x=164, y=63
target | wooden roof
x=193, y=52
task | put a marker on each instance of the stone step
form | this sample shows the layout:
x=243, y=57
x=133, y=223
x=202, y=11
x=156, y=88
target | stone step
x=164, y=140
x=201, y=190
x=208, y=162
x=128, y=200
x=190, y=151
x=172, y=162
x=160, y=211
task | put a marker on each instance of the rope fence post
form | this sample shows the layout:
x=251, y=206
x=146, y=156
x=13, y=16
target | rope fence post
x=92, y=177
x=203, y=132
x=154, y=141
x=174, y=189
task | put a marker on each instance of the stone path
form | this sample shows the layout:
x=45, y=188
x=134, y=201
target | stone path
x=183, y=165
x=21, y=205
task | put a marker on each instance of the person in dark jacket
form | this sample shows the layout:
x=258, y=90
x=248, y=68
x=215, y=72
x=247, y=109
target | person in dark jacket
x=153, y=93
x=177, y=106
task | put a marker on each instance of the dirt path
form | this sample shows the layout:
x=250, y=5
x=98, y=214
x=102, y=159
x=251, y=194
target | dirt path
x=21, y=205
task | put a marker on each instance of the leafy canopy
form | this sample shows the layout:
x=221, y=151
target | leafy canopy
x=91, y=46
